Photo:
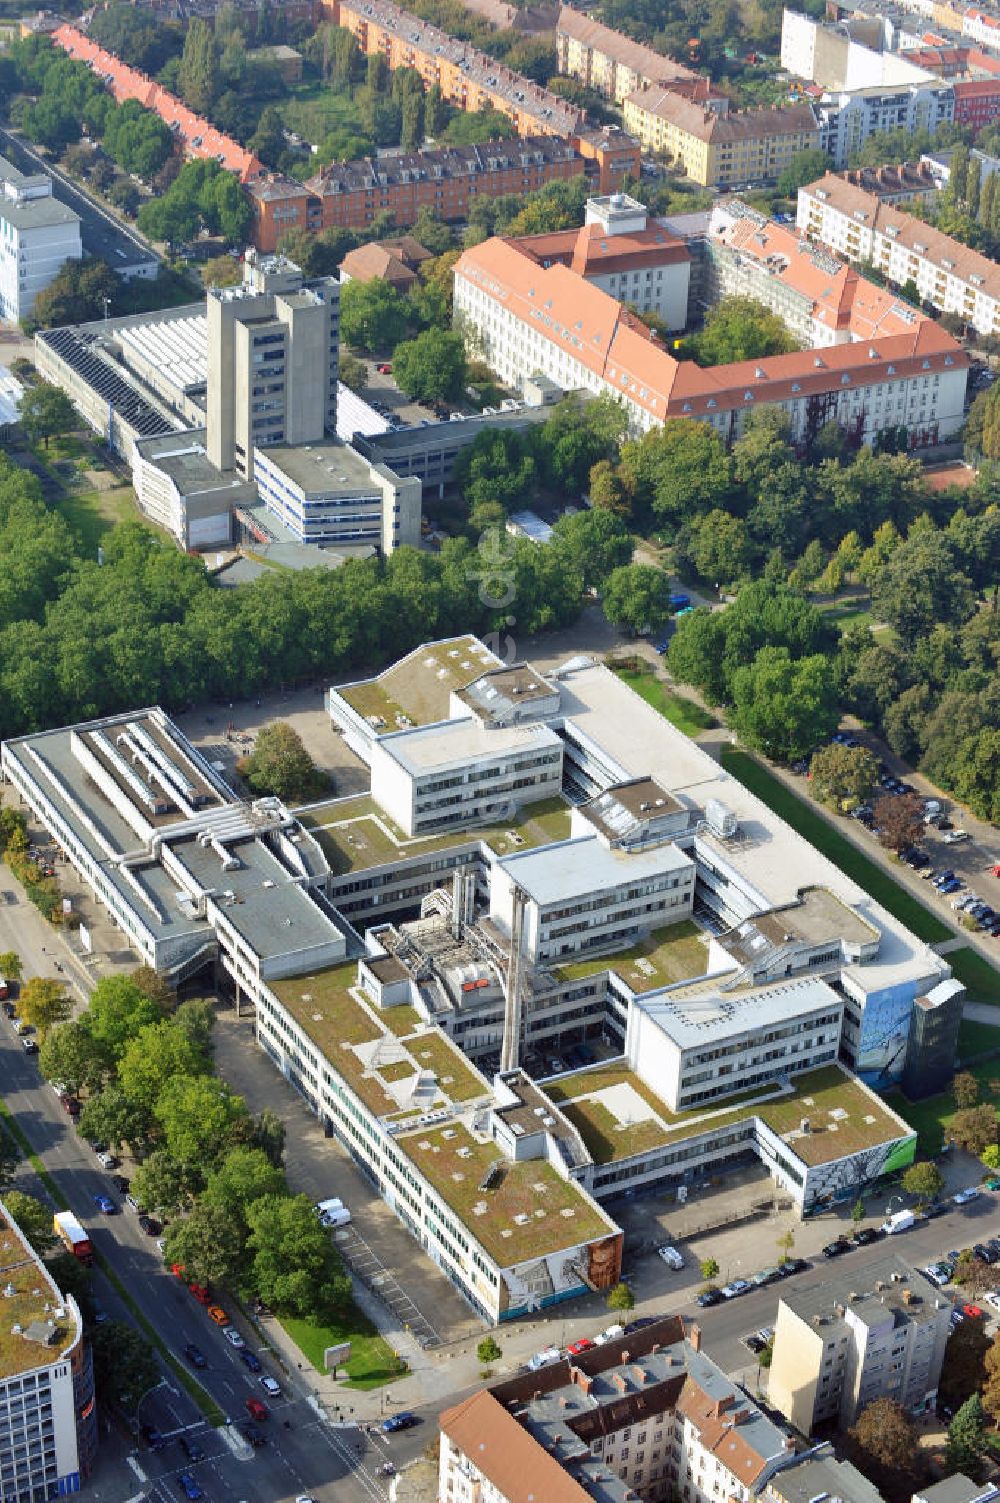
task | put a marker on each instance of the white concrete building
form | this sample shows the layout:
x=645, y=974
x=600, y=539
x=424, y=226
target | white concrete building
x=947, y=274
x=38, y=235
x=48, y=1414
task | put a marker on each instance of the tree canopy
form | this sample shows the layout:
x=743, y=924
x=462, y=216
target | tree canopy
x=280, y=764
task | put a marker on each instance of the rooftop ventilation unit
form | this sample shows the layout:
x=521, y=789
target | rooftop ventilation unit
x=720, y=820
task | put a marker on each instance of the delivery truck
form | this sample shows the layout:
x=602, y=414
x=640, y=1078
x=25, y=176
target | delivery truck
x=73, y=1236
x=900, y=1221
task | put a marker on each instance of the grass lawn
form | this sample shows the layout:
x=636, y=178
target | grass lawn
x=677, y=952
x=681, y=712
x=92, y=514
x=930, y=1118
x=844, y=616
x=980, y=979
x=373, y=1362
x=810, y=824
x=977, y=1038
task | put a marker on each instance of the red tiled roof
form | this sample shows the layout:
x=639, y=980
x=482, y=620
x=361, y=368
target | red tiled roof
x=590, y=251
x=591, y=327
x=200, y=138
x=482, y=1429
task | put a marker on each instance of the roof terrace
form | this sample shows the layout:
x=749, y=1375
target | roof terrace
x=31, y=1305
x=677, y=952
x=416, y=690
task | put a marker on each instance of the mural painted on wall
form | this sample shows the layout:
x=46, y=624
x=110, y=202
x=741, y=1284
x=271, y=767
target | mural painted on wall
x=545, y=1281
x=885, y=1024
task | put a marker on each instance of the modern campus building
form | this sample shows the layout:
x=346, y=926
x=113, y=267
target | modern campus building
x=613, y=64
x=841, y=1344
x=48, y=1415
x=38, y=235
x=718, y=147
x=220, y=405
x=526, y=313
x=648, y=1415
x=948, y=275
x=555, y=952
x=445, y=180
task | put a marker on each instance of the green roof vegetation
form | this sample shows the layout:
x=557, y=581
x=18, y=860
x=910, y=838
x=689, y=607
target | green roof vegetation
x=843, y=1116
x=416, y=690
x=677, y=952
x=456, y=1164
x=402, y=1019
x=31, y=1302
x=355, y=833
x=432, y=1051
x=397, y=1069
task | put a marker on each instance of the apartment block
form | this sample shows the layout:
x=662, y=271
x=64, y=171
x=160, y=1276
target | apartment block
x=718, y=147
x=198, y=137
x=613, y=64
x=273, y=361
x=645, y=1416
x=849, y=1340
x=467, y=78
x=38, y=235
x=523, y=317
x=48, y=1414
x=865, y=89
x=447, y=180
x=948, y=275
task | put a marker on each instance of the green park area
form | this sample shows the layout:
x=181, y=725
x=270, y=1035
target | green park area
x=372, y=1361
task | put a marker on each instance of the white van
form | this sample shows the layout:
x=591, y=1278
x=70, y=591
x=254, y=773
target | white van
x=900, y=1221
x=544, y=1358
x=671, y=1257
x=332, y=1213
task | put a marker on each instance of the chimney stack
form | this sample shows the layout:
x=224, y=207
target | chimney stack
x=694, y=1336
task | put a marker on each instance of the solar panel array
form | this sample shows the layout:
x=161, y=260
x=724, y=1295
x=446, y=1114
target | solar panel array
x=126, y=402
x=177, y=347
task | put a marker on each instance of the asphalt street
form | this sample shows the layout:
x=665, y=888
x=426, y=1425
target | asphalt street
x=310, y=1456
x=101, y=233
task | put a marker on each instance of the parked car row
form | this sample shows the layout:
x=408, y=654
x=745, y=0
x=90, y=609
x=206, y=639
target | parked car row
x=736, y=1287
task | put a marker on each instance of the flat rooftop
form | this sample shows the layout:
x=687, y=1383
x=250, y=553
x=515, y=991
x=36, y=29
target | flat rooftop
x=355, y=834
x=844, y=1118
x=327, y=468
x=703, y=1012
x=459, y=743
x=880, y=1285
x=531, y=1211
x=177, y=348
x=676, y=952
x=35, y=1305
x=585, y=864
x=819, y=916
x=417, y=690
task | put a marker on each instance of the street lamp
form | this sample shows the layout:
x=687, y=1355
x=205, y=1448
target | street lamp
x=107, y=305
x=888, y=1208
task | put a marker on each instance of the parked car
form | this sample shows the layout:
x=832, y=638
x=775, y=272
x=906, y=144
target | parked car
x=837, y=1248
x=233, y=1336
x=583, y=1345
x=735, y=1288
x=865, y=1236
x=105, y=1205
x=120, y=1183
x=29, y=1045
x=107, y=1160
x=952, y=837
x=401, y=1421
x=71, y=1106
x=755, y=1344
x=131, y=1201
x=939, y=1273
x=153, y=1438
x=250, y=1360
x=216, y=1313
x=965, y=1196
x=709, y=1297
x=793, y=1265
x=671, y=1257
x=150, y=1225
x=765, y=1276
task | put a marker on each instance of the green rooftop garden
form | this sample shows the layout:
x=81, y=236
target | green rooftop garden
x=355, y=833
x=417, y=689
x=555, y=1212
x=677, y=952
x=432, y=1051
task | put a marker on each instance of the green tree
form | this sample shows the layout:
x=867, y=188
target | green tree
x=920, y=586
x=974, y=1129
x=739, y=328
x=118, y=1010
x=719, y=547
x=709, y=1268
x=115, y=1119
x=198, y=1115
x=991, y=1364
x=963, y=1371
x=596, y=542
x=10, y=965
x=161, y=1184
x=637, y=597
x=858, y=1212
x=47, y=412
x=965, y=1089
x=373, y=316
x=967, y=1437
x=843, y=774
x=295, y=1267
x=158, y=1053
x=431, y=367
x=782, y=706
x=43, y=1003
x=221, y=271
x=245, y=1175
x=208, y=1244
x=268, y=140
x=621, y=1298
x=71, y=1054
x=883, y=1442
x=489, y=1350
x=279, y=764
x=678, y=470
x=924, y=1182
x=198, y=73
x=475, y=127
x=33, y=1217
x=125, y=1366
x=353, y=372
x=496, y=467
x=804, y=167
